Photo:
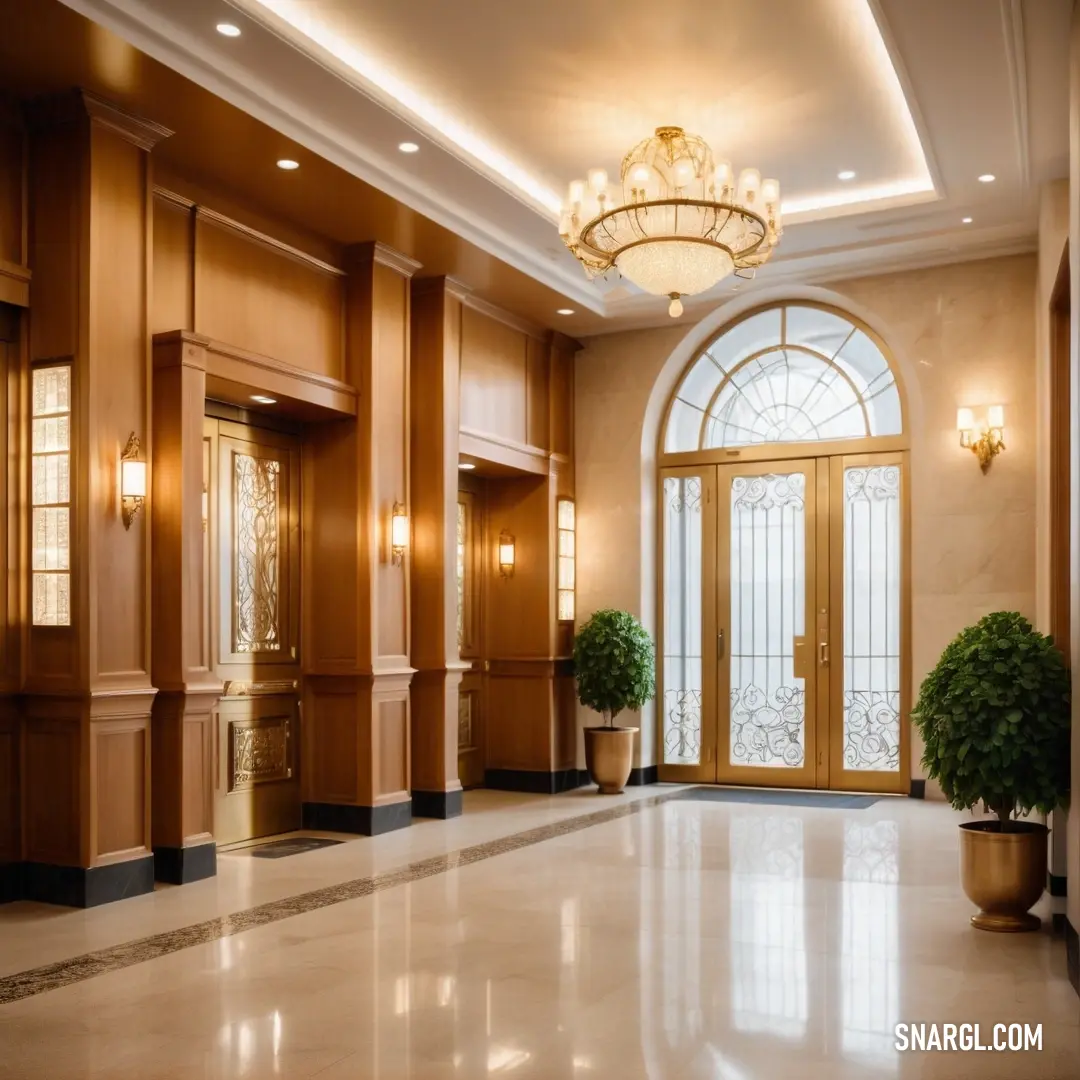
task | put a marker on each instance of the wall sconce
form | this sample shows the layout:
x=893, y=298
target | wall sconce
x=984, y=439
x=399, y=534
x=132, y=481
x=506, y=554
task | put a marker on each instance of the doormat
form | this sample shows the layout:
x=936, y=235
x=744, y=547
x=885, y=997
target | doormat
x=296, y=845
x=826, y=800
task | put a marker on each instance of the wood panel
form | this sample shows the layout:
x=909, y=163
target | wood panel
x=519, y=709
x=174, y=266
x=51, y=757
x=120, y=762
x=519, y=620
x=14, y=257
x=264, y=300
x=393, y=746
x=1060, y=460
x=115, y=393
x=332, y=730
x=10, y=818
x=494, y=377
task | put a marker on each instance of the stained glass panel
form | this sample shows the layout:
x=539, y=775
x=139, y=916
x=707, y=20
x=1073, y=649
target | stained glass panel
x=768, y=601
x=256, y=553
x=872, y=618
x=682, y=570
x=792, y=373
x=50, y=494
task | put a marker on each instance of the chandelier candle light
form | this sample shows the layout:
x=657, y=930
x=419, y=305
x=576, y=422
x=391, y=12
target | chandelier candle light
x=680, y=224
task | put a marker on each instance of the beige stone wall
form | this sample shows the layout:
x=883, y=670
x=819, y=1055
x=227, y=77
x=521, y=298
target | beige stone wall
x=962, y=334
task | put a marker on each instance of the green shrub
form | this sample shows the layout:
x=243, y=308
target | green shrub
x=994, y=715
x=614, y=663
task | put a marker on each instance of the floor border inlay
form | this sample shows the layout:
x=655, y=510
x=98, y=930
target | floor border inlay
x=40, y=980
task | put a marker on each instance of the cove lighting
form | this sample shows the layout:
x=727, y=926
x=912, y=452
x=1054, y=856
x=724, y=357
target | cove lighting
x=375, y=76
x=847, y=174
x=228, y=29
x=288, y=164
x=262, y=399
x=408, y=147
x=987, y=178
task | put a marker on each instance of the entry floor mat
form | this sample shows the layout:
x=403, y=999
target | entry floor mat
x=827, y=800
x=293, y=845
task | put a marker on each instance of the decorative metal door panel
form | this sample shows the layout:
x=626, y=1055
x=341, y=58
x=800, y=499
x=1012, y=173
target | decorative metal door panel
x=253, y=535
x=766, y=600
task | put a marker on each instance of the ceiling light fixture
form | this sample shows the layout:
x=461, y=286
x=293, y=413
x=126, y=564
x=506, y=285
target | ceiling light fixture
x=408, y=147
x=288, y=164
x=846, y=174
x=565, y=311
x=262, y=399
x=987, y=178
x=228, y=29
x=965, y=221
x=679, y=225
x=466, y=466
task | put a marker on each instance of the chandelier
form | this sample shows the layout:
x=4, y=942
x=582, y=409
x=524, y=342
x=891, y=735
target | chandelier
x=680, y=223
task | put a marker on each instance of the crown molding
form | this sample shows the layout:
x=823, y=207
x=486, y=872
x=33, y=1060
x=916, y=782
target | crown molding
x=1012, y=21
x=72, y=106
x=376, y=251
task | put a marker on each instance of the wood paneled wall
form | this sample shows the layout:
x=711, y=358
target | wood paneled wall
x=85, y=781
x=218, y=277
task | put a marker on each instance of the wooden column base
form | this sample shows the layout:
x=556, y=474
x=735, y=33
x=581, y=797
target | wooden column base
x=86, y=798
x=356, y=753
x=436, y=788
x=183, y=785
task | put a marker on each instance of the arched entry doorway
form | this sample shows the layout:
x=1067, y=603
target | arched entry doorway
x=783, y=558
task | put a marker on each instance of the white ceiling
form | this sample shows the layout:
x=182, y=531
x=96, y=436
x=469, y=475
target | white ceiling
x=510, y=101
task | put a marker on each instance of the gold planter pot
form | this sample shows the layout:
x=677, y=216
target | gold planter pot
x=609, y=756
x=1003, y=874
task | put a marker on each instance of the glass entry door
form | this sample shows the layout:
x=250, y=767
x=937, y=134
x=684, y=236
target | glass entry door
x=784, y=629
x=767, y=650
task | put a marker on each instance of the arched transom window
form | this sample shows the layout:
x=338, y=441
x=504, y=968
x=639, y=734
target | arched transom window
x=797, y=372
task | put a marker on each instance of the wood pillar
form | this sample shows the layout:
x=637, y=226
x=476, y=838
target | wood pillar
x=188, y=689
x=356, y=771
x=436, y=372
x=86, y=736
x=530, y=705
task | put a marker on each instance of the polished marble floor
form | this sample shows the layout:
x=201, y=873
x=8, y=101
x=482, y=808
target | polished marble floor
x=568, y=937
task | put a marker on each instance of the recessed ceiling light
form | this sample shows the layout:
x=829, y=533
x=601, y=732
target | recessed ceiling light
x=262, y=399
x=408, y=147
x=987, y=178
x=228, y=29
x=565, y=311
x=965, y=221
x=466, y=465
x=288, y=164
x=846, y=174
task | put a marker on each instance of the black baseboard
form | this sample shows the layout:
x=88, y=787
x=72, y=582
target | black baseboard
x=646, y=774
x=1072, y=953
x=10, y=882
x=918, y=789
x=438, y=804
x=362, y=820
x=1058, y=884
x=181, y=866
x=86, y=887
x=534, y=783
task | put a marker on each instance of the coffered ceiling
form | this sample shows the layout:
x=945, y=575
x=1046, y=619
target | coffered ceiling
x=507, y=102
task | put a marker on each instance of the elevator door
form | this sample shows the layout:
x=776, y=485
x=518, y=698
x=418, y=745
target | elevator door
x=785, y=621
x=253, y=496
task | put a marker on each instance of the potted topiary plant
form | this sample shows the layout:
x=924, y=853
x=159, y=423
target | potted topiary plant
x=994, y=715
x=615, y=669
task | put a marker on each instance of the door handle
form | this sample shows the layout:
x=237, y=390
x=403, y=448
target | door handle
x=823, y=653
x=720, y=645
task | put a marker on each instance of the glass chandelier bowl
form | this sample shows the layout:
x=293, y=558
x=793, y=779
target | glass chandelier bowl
x=679, y=225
